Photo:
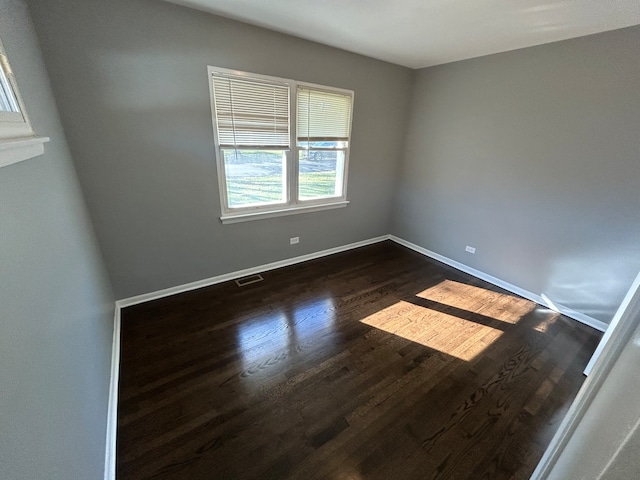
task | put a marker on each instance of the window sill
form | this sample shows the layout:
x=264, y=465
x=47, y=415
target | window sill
x=14, y=150
x=247, y=217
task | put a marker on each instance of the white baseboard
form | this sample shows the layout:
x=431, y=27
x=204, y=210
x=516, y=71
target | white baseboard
x=112, y=408
x=127, y=302
x=580, y=317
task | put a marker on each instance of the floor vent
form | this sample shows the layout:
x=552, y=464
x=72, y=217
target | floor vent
x=241, y=282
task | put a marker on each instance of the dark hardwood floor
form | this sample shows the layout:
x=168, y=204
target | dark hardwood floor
x=370, y=364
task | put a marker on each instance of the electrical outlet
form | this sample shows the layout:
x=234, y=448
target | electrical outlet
x=294, y=240
x=470, y=249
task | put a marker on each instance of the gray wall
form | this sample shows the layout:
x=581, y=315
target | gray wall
x=130, y=77
x=56, y=306
x=532, y=157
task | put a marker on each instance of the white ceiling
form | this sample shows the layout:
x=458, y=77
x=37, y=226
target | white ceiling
x=421, y=33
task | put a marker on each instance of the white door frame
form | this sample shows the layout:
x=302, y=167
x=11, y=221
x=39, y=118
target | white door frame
x=624, y=323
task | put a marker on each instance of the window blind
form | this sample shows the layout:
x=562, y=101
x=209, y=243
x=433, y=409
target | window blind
x=323, y=116
x=251, y=113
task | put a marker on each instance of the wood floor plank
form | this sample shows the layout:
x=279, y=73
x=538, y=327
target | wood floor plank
x=371, y=364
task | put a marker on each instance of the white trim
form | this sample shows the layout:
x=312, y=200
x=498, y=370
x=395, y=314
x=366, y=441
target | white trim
x=625, y=307
x=112, y=411
x=14, y=150
x=245, y=217
x=146, y=297
x=293, y=168
x=580, y=317
x=627, y=321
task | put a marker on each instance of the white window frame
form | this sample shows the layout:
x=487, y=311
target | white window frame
x=292, y=204
x=17, y=139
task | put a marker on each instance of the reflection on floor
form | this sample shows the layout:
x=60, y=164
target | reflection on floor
x=370, y=364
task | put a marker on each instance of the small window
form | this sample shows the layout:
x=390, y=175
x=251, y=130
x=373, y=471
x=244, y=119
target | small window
x=17, y=140
x=8, y=100
x=13, y=120
x=282, y=146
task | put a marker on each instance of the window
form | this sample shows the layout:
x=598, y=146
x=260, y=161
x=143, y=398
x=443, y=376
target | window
x=17, y=140
x=282, y=146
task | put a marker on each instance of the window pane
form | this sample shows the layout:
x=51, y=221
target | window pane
x=8, y=101
x=255, y=177
x=321, y=174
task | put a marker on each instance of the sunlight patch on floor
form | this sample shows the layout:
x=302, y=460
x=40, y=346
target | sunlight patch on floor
x=500, y=306
x=445, y=320
x=434, y=329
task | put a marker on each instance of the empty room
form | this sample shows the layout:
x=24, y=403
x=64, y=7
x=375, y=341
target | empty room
x=319, y=240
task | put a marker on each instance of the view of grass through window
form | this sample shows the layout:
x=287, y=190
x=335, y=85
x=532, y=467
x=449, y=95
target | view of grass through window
x=258, y=177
